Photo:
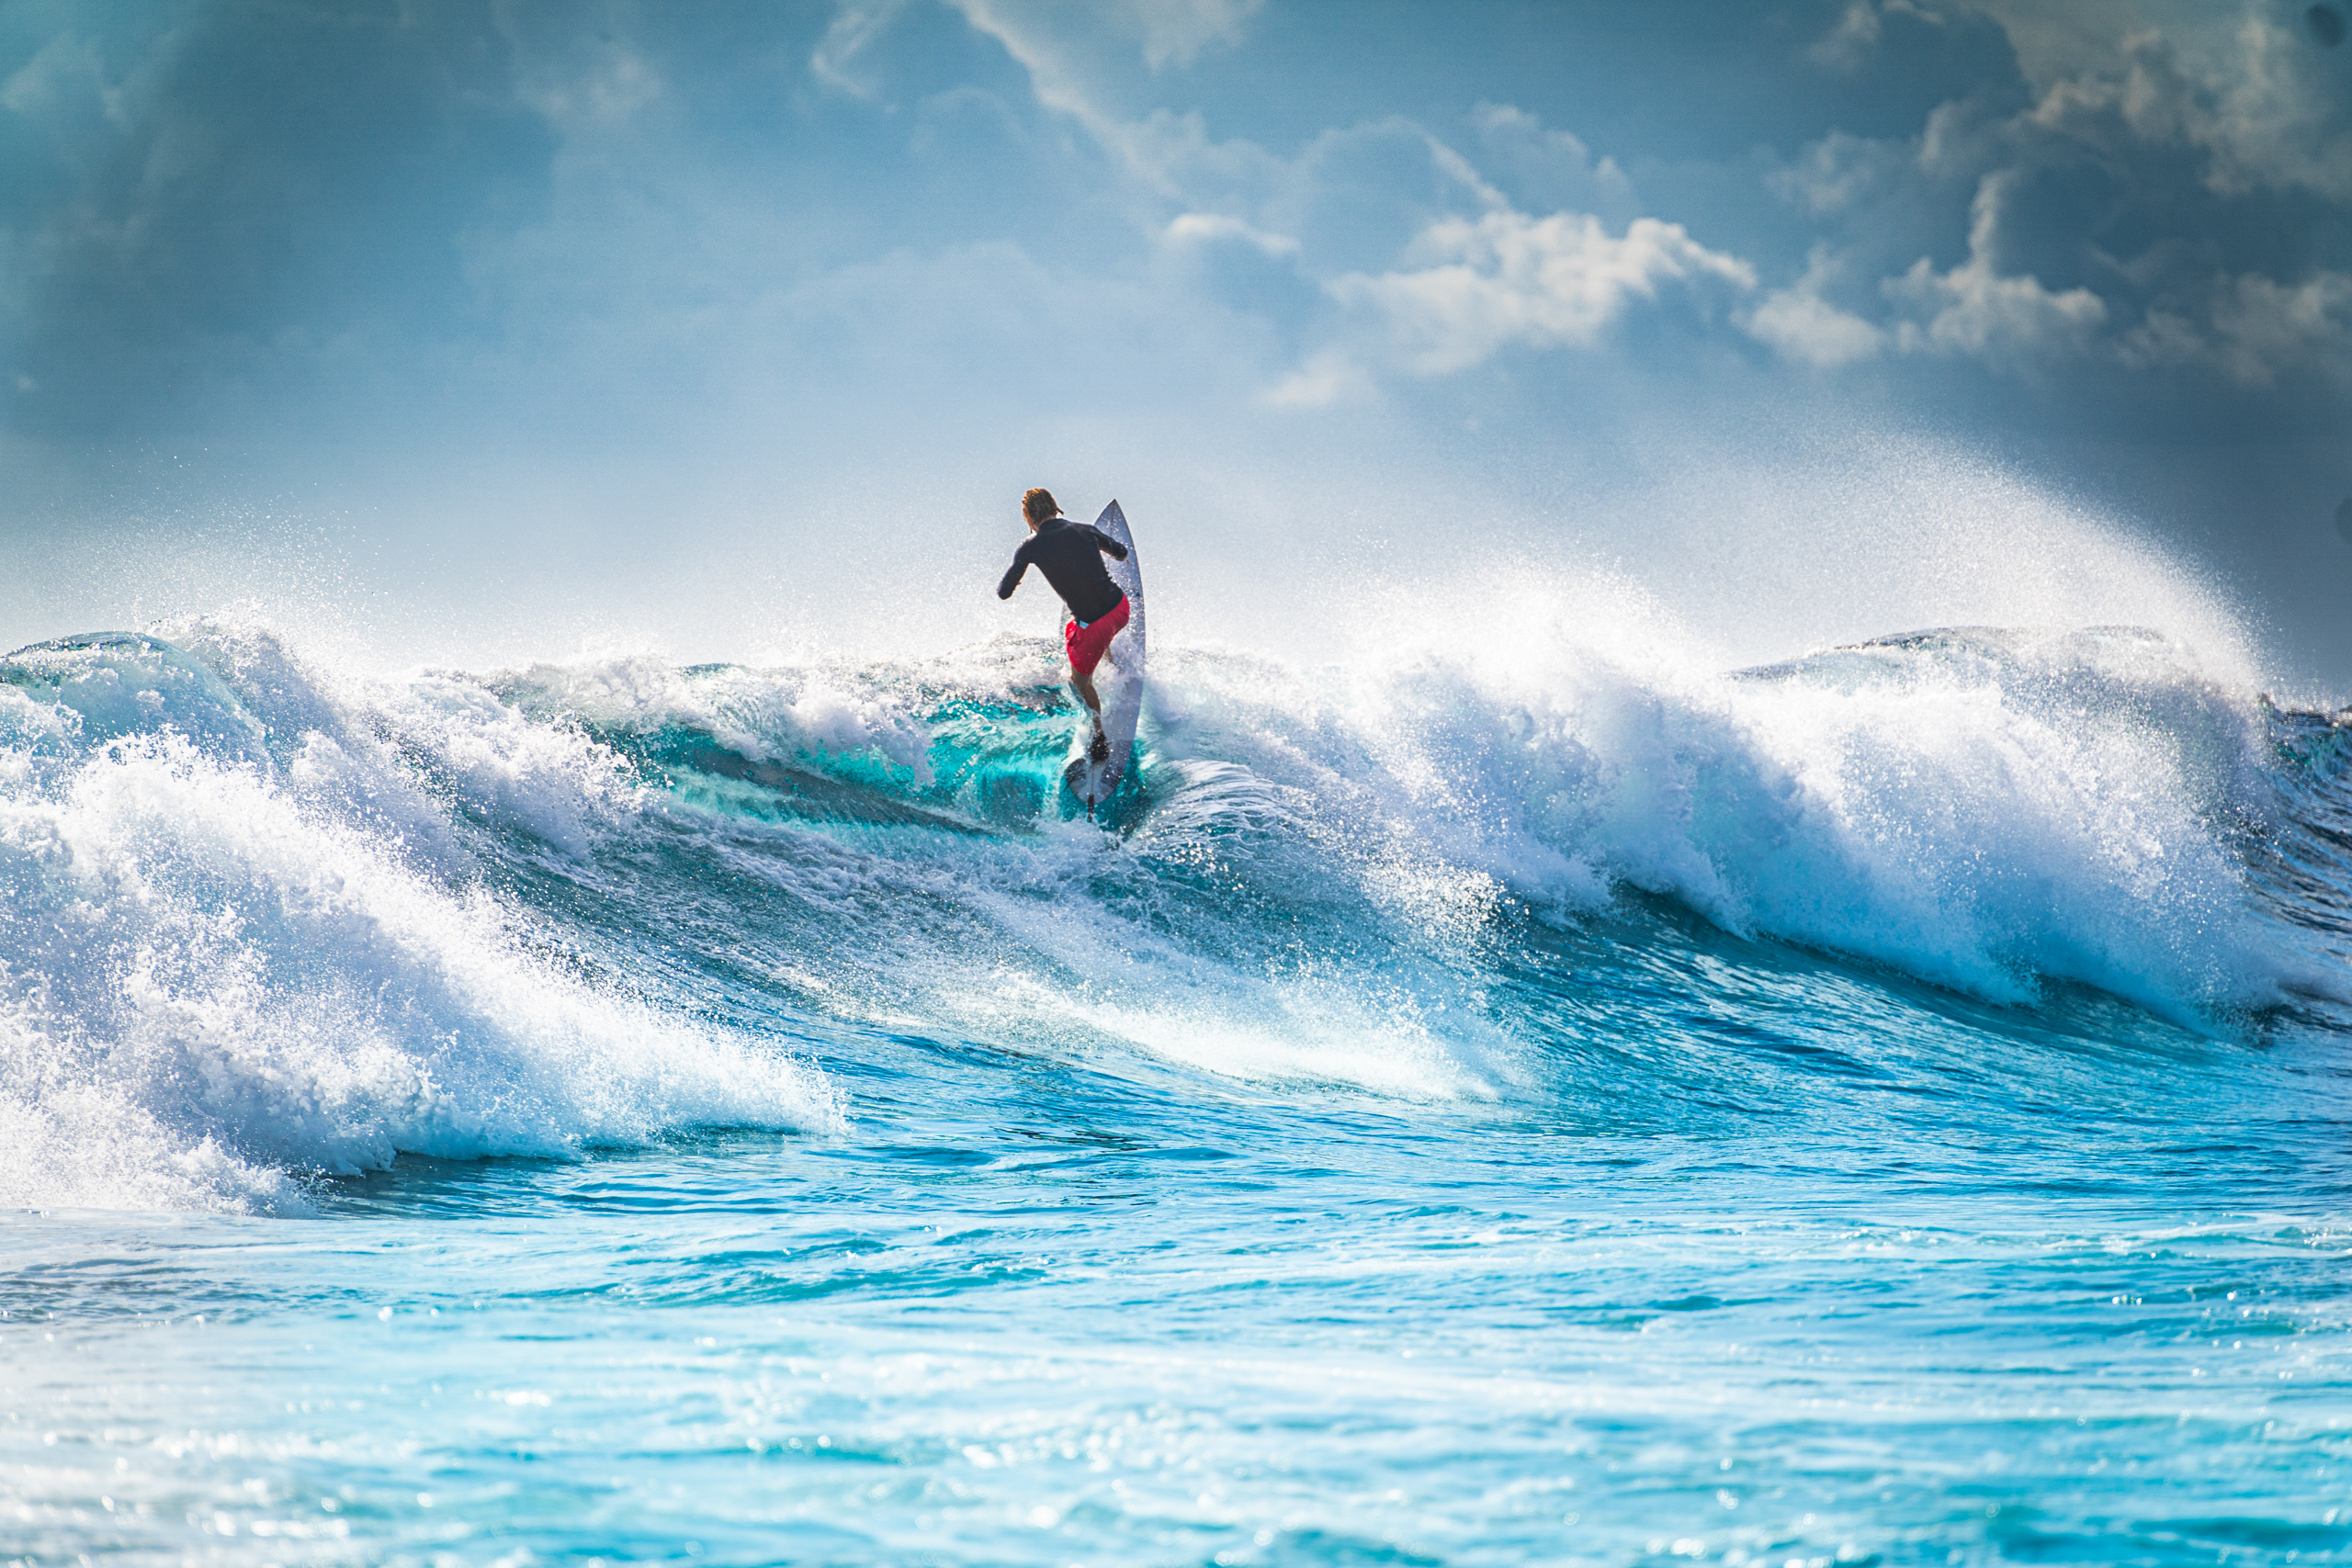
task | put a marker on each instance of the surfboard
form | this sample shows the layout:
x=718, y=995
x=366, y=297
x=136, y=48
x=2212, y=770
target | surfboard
x=1118, y=680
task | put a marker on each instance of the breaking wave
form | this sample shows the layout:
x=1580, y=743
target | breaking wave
x=267, y=923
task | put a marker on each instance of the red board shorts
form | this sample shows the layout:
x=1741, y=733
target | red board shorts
x=1087, y=643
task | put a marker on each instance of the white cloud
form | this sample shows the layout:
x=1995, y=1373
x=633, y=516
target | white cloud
x=2164, y=338
x=1467, y=286
x=1176, y=31
x=1831, y=175
x=1072, y=51
x=597, y=85
x=1978, y=312
x=1506, y=277
x=857, y=25
x=2256, y=330
x=2264, y=327
x=2158, y=141
x=1974, y=309
x=1551, y=170
x=1077, y=56
x=1804, y=326
x=1208, y=228
x=2234, y=83
x=1055, y=72
x=66, y=69
x=1848, y=46
x=1330, y=376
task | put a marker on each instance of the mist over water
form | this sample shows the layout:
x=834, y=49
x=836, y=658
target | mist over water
x=1734, y=556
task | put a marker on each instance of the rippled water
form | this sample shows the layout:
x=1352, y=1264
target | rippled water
x=1886, y=1107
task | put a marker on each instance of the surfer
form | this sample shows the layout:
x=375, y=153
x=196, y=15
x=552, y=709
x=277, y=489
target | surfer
x=1071, y=554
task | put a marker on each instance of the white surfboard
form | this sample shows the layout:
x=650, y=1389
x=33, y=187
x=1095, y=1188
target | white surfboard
x=1118, y=680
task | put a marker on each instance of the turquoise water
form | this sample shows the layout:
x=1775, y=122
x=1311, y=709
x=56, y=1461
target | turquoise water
x=1887, y=1107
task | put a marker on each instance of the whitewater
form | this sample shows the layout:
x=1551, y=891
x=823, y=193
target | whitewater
x=1542, y=1098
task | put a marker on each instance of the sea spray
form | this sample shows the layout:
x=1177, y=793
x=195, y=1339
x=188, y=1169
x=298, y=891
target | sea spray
x=266, y=921
x=219, y=970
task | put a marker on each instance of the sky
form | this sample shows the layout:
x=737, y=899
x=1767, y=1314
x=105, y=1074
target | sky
x=505, y=330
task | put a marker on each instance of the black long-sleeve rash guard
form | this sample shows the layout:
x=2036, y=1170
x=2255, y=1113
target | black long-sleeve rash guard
x=1071, y=554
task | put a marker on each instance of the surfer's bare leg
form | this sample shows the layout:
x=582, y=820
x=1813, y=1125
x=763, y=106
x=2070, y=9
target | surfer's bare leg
x=1098, y=748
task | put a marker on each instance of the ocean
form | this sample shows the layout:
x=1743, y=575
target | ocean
x=1534, y=1102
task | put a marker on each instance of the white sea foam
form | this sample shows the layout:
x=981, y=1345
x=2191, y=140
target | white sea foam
x=1170, y=986
x=247, y=935
x=1984, y=810
x=1980, y=809
x=215, y=974
x=763, y=714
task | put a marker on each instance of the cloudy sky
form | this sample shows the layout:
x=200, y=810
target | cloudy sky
x=499, y=325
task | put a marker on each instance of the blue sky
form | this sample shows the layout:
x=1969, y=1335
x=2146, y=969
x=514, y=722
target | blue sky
x=717, y=325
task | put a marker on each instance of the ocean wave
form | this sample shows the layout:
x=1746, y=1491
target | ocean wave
x=265, y=922
x=228, y=956
x=1983, y=808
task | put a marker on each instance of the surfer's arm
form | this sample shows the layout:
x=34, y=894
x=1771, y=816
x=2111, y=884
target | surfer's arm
x=1013, y=573
x=1107, y=544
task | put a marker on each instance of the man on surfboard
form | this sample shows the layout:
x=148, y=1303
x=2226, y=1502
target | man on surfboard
x=1071, y=554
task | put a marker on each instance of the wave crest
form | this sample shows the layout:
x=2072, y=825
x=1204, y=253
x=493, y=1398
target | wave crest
x=263, y=922
x=216, y=970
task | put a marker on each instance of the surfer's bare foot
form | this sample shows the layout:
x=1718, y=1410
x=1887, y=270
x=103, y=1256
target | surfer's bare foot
x=1100, y=751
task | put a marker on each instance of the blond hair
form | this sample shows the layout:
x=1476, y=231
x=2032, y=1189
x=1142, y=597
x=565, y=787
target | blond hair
x=1038, y=505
